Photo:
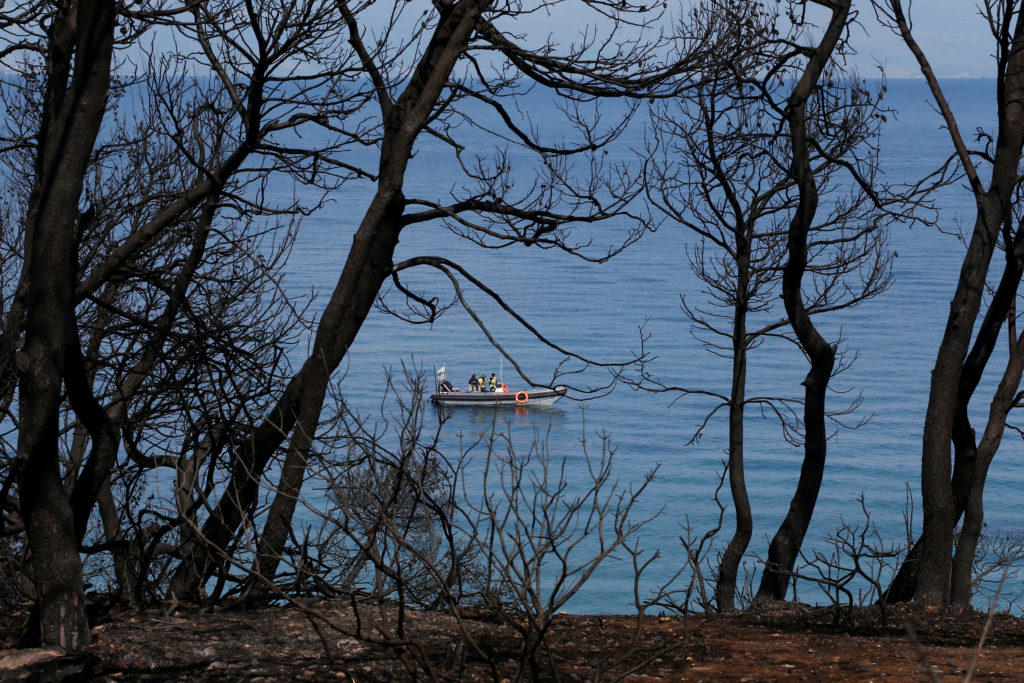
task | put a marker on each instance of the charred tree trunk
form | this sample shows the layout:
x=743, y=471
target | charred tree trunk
x=936, y=485
x=75, y=101
x=728, y=569
x=278, y=526
x=965, y=449
x=368, y=265
x=993, y=211
x=1003, y=401
x=785, y=546
x=338, y=329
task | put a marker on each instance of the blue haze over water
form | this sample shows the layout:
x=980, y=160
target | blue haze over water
x=596, y=309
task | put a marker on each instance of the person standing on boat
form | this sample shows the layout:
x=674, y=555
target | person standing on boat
x=482, y=381
x=494, y=382
x=472, y=382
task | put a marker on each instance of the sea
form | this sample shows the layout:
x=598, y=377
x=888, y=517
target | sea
x=601, y=311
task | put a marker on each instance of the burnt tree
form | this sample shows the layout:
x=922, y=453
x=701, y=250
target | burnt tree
x=952, y=469
x=421, y=98
x=80, y=41
x=784, y=547
x=722, y=166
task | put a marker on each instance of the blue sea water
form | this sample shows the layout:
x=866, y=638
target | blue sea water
x=596, y=310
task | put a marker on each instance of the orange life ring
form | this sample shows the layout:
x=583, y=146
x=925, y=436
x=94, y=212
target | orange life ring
x=526, y=397
x=503, y=387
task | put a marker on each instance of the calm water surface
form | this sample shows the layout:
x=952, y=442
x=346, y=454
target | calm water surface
x=596, y=310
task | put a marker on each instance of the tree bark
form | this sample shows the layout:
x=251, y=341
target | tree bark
x=278, y=525
x=785, y=546
x=1002, y=402
x=994, y=209
x=338, y=329
x=367, y=267
x=903, y=587
x=73, y=109
x=728, y=568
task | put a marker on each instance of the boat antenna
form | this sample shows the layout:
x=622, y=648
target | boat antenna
x=501, y=369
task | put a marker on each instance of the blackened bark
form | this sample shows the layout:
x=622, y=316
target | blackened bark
x=936, y=486
x=74, y=105
x=1003, y=400
x=102, y=430
x=993, y=211
x=785, y=546
x=728, y=568
x=338, y=329
x=278, y=525
x=903, y=587
x=972, y=460
x=368, y=265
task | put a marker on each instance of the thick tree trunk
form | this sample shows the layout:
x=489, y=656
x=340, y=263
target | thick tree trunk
x=339, y=327
x=785, y=546
x=936, y=486
x=73, y=112
x=56, y=568
x=1002, y=402
x=367, y=267
x=728, y=568
x=903, y=587
x=994, y=211
x=278, y=526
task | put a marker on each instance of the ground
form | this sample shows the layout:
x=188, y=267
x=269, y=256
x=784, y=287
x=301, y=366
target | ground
x=783, y=641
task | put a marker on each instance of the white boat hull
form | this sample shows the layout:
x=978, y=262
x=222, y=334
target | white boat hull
x=528, y=399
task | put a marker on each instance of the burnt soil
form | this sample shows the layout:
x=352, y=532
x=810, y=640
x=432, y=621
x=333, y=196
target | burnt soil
x=780, y=641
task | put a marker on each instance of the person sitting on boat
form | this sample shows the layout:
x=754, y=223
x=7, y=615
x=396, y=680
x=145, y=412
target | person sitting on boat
x=494, y=382
x=472, y=382
x=482, y=381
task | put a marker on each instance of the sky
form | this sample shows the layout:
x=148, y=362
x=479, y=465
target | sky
x=952, y=34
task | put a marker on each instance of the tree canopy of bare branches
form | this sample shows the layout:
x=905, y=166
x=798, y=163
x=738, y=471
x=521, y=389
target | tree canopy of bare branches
x=732, y=165
x=953, y=464
x=146, y=327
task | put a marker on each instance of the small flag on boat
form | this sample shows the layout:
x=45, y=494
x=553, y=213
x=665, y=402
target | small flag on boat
x=440, y=373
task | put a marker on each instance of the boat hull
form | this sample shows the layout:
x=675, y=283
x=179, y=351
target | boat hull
x=539, y=398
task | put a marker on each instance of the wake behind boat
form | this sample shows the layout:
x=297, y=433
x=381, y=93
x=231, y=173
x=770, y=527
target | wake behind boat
x=500, y=395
